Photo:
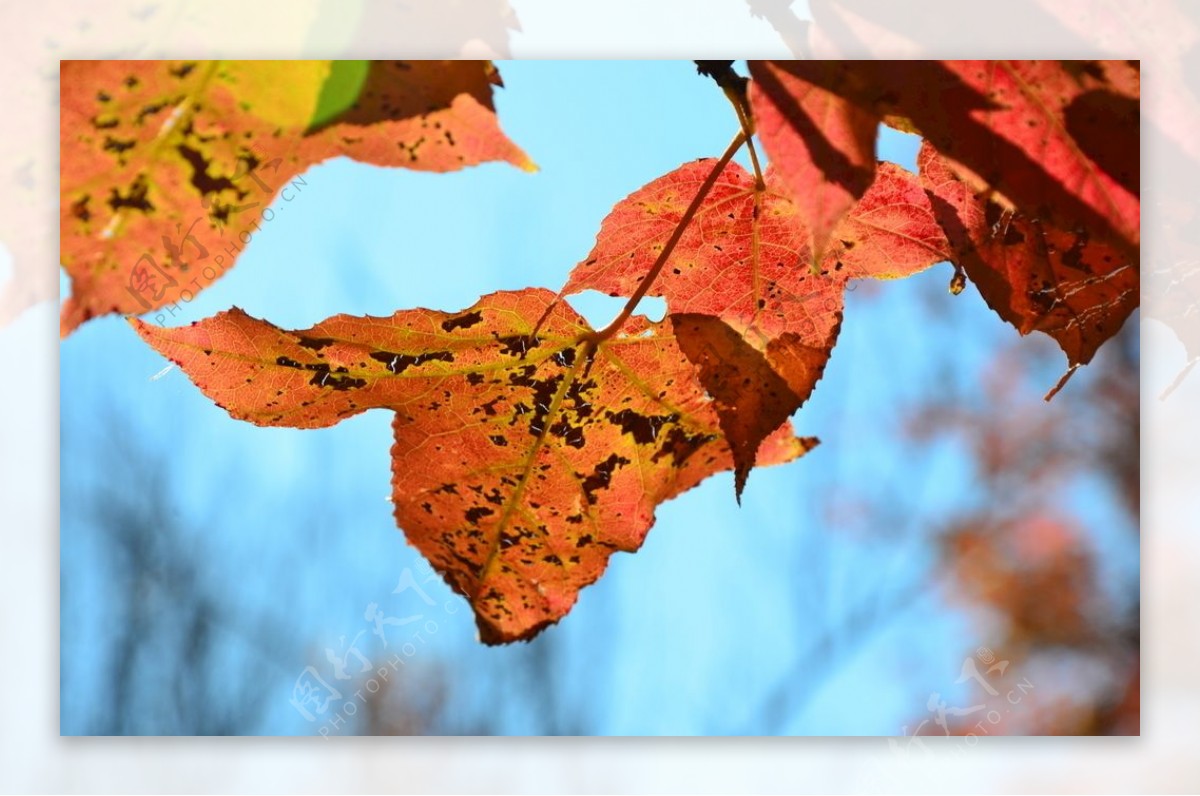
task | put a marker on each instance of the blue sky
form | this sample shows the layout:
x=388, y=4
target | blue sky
x=692, y=635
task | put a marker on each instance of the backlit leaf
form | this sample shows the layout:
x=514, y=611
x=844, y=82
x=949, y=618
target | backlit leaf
x=423, y=115
x=821, y=144
x=744, y=260
x=520, y=464
x=1072, y=285
x=1055, y=140
x=167, y=167
x=750, y=397
x=282, y=93
x=340, y=91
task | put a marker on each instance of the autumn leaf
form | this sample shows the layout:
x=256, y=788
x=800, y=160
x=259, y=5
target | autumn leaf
x=821, y=145
x=743, y=260
x=751, y=399
x=258, y=87
x=1070, y=284
x=167, y=166
x=1056, y=140
x=521, y=463
x=423, y=115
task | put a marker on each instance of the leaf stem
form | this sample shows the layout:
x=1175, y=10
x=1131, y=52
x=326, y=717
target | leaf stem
x=759, y=182
x=734, y=86
x=743, y=114
x=1061, y=382
x=672, y=242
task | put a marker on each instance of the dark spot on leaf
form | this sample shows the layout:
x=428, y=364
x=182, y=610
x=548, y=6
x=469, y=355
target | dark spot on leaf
x=489, y=408
x=477, y=513
x=543, y=395
x=517, y=344
x=680, y=445
x=79, y=208
x=644, y=429
x=135, y=199
x=523, y=376
x=315, y=343
x=462, y=321
x=601, y=477
x=326, y=379
x=201, y=180
x=398, y=363
x=570, y=434
x=150, y=110
x=577, y=396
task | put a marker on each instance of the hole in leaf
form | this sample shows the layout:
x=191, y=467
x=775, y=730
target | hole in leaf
x=653, y=307
x=599, y=310
x=897, y=147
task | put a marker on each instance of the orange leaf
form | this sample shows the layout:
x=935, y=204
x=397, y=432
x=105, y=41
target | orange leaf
x=423, y=115
x=167, y=167
x=750, y=397
x=743, y=260
x=520, y=463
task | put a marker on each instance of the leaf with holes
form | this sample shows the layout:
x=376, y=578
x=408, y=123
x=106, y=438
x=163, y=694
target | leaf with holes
x=1075, y=287
x=521, y=462
x=168, y=167
x=743, y=260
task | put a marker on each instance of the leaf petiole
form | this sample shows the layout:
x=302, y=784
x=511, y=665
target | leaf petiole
x=734, y=87
x=644, y=287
